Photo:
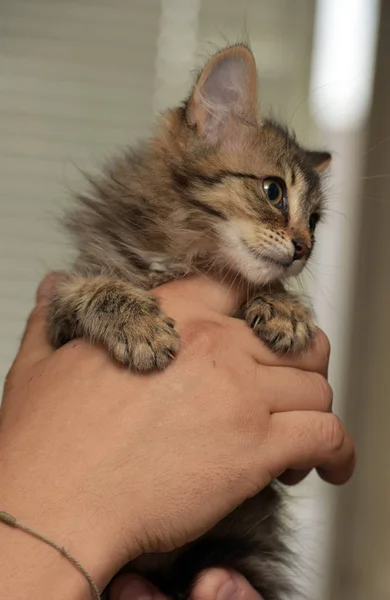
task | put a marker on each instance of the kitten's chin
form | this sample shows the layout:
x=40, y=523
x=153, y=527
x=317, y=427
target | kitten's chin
x=295, y=268
x=255, y=268
x=264, y=272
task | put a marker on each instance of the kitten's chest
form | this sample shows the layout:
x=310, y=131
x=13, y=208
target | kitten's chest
x=162, y=269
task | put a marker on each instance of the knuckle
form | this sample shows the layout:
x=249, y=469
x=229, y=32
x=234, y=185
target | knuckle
x=203, y=336
x=251, y=423
x=76, y=348
x=333, y=433
x=250, y=415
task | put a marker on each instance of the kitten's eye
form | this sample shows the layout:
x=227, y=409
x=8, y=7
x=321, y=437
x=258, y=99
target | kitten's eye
x=314, y=218
x=275, y=192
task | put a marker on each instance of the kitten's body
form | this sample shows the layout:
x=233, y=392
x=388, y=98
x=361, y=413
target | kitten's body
x=197, y=198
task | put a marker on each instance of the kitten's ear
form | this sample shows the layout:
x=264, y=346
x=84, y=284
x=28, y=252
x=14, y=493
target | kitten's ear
x=319, y=161
x=227, y=88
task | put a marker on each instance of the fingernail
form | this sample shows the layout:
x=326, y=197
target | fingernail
x=136, y=590
x=47, y=286
x=229, y=591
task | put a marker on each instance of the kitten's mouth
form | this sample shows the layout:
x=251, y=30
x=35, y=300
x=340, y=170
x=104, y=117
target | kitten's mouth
x=272, y=260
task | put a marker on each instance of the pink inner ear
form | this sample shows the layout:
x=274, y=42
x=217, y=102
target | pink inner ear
x=226, y=83
x=226, y=88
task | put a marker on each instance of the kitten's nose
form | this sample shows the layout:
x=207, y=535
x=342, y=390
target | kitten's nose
x=301, y=250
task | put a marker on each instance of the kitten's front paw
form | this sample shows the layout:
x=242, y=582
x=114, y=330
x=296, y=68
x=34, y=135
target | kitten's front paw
x=281, y=321
x=146, y=344
x=125, y=320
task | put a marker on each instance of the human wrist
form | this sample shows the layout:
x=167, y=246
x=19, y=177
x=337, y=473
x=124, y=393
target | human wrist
x=74, y=524
x=31, y=569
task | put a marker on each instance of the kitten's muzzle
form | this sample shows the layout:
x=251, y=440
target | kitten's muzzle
x=274, y=258
x=301, y=250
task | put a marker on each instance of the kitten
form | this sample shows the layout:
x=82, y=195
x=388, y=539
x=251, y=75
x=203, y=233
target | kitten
x=218, y=187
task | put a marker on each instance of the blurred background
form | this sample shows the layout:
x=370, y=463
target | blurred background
x=81, y=78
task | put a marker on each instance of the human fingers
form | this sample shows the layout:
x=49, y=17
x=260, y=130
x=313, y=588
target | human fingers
x=35, y=344
x=315, y=358
x=221, y=584
x=302, y=440
x=214, y=584
x=294, y=390
x=133, y=587
x=294, y=476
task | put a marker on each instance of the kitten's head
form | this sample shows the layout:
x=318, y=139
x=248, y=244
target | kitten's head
x=260, y=190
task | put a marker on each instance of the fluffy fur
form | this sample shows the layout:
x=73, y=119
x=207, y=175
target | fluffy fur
x=196, y=197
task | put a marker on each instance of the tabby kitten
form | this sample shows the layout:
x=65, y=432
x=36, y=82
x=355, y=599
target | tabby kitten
x=217, y=188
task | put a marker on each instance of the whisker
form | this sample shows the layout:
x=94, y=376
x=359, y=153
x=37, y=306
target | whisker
x=381, y=176
x=384, y=141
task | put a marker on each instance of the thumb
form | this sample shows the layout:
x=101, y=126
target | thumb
x=35, y=343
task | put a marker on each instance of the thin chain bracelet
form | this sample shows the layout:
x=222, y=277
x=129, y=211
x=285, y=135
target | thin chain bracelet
x=13, y=522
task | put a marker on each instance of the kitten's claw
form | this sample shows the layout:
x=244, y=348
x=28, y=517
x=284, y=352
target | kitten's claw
x=149, y=345
x=281, y=321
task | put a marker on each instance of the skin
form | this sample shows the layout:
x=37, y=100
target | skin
x=111, y=464
x=216, y=584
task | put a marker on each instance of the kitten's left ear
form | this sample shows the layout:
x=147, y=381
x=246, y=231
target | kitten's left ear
x=319, y=161
x=226, y=90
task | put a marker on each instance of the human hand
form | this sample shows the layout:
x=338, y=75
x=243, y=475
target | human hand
x=113, y=464
x=215, y=584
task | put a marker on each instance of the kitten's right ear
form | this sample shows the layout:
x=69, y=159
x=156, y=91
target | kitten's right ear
x=227, y=88
x=319, y=161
